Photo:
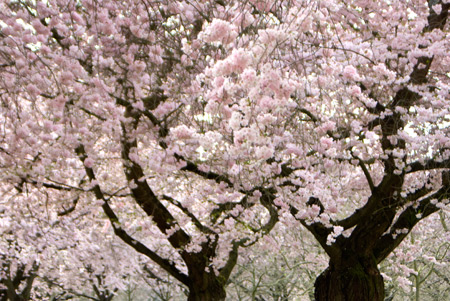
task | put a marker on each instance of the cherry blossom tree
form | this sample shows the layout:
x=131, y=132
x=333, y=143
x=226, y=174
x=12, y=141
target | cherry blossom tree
x=45, y=253
x=23, y=245
x=84, y=82
x=197, y=126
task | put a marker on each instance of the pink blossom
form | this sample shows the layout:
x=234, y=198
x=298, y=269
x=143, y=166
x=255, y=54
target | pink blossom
x=248, y=76
x=220, y=31
x=263, y=5
x=235, y=120
x=382, y=70
x=40, y=28
x=266, y=119
x=234, y=170
x=294, y=149
x=326, y=126
x=33, y=90
x=239, y=59
x=182, y=132
x=247, y=19
x=66, y=77
x=264, y=152
x=88, y=162
x=350, y=73
x=437, y=8
x=326, y=142
x=354, y=90
x=266, y=102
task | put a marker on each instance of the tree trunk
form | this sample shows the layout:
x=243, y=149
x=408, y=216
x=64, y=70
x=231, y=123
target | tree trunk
x=206, y=289
x=356, y=279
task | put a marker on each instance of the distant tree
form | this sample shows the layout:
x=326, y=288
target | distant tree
x=416, y=269
x=282, y=266
x=198, y=125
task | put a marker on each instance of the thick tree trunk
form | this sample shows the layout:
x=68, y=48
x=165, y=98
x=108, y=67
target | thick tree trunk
x=352, y=280
x=206, y=289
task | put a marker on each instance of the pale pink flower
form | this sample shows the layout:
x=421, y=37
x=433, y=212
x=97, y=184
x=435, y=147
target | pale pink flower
x=354, y=90
x=263, y=5
x=293, y=149
x=234, y=170
x=384, y=72
x=66, y=77
x=437, y=8
x=247, y=19
x=350, y=73
x=266, y=102
x=223, y=67
x=182, y=132
x=266, y=119
x=134, y=157
x=239, y=60
x=235, y=120
x=268, y=36
x=89, y=163
x=248, y=76
x=33, y=90
x=39, y=27
x=264, y=152
x=326, y=142
x=220, y=31
x=326, y=126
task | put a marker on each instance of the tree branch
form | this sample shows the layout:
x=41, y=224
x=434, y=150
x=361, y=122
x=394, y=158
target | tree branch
x=366, y=172
x=71, y=208
x=192, y=167
x=144, y=196
x=358, y=215
x=319, y=231
x=186, y=211
x=434, y=20
x=427, y=165
x=122, y=234
x=407, y=220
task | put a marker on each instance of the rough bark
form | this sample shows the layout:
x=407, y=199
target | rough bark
x=354, y=279
x=206, y=288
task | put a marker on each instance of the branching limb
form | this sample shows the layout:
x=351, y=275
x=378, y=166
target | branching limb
x=50, y=185
x=374, y=123
x=146, y=113
x=267, y=198
x=358, y=215
x=406, y=221
x=225, y=271
x=144, y=196
x=309, y=114
x=427, y=165
x=122, y=234
x=267, y=201
x=366, y=172
x=192, y=167
x=71, y=208
x=437, y=20
x=319, y=231
x=416, y=195
x=186, y=211
x=221, y=208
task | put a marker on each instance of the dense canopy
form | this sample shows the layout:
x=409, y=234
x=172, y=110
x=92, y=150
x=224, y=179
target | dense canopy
x=186, y=131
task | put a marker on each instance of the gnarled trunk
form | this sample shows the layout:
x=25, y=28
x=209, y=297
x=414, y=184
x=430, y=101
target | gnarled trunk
x=210, y=294
x=206, y=289
x=354, y=279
